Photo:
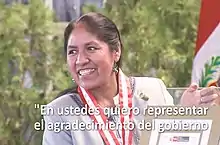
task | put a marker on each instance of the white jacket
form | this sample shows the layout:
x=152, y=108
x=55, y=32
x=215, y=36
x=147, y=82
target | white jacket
x=143, y=88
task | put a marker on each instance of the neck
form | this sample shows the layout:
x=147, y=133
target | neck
x=104, y=94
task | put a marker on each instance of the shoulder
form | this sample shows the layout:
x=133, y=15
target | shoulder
x=147, y=79
x=148, y=83
x=154, y=89
x=53, y=133
x=66, y=98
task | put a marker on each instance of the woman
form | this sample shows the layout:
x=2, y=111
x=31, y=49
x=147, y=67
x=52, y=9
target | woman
x=93, y=49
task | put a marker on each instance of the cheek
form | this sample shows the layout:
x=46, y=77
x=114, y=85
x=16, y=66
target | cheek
x=105, y=67
x=71, y=65
x=106, y=62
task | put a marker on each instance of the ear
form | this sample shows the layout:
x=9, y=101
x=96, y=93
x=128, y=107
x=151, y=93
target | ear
x=117, y=55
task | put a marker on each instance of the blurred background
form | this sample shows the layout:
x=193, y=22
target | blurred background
x=158, y=36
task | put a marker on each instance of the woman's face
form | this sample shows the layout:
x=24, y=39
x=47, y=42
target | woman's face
x=90, y=60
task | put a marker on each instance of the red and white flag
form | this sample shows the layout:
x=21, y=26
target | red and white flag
x=206, y=64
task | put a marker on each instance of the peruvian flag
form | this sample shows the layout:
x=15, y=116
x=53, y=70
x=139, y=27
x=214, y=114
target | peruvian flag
x=206, y=64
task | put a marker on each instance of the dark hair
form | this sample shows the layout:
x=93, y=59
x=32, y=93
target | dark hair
x=99, y=25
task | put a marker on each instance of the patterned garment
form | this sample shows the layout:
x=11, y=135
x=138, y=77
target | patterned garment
x=115, y=118
x=153, y=88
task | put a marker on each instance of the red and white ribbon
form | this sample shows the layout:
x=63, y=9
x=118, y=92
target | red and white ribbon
x=125, y=101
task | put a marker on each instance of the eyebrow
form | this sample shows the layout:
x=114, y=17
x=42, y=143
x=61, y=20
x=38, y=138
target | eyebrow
x=71, y=46
x=86, y=44
x=91, y=42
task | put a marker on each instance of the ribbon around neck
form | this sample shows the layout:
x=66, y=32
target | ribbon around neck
x=125, y=103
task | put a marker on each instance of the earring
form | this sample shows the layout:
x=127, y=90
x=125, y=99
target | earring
x=73, y=80
x=115, y=67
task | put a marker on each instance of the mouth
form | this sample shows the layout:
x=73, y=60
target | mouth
x=85, y=72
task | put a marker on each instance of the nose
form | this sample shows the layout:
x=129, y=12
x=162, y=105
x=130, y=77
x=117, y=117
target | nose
x=81, y=59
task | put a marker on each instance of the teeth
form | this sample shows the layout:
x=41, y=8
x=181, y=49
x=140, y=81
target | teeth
x=85, y=71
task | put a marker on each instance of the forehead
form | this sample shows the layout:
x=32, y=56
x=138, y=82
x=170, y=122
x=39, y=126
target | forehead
x=81, y=36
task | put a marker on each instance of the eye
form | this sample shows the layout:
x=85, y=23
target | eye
x=72, y=52
x=91, y=48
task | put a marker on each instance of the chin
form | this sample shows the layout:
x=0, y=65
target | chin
x=88, y=85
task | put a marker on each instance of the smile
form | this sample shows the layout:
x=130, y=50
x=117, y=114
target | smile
x=84, y=72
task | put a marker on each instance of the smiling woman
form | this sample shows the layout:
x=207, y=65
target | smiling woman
x=93, y=50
